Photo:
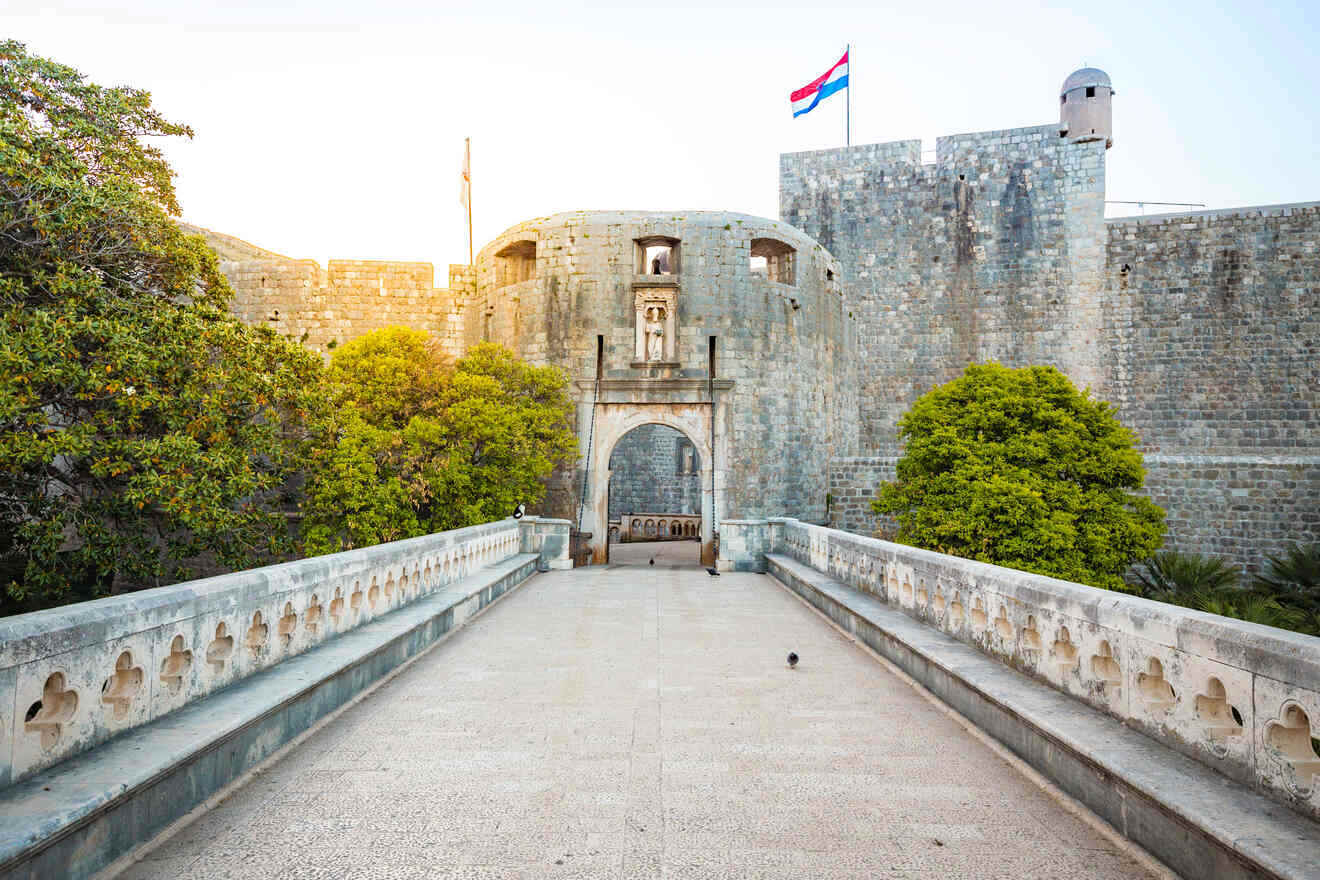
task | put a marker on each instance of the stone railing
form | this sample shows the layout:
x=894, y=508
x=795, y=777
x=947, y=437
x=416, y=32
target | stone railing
x=1240, y=697
x=656, y=527
x=73, y=677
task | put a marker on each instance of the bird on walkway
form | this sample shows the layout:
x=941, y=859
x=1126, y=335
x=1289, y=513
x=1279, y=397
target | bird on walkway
x=792, y=660
x=712, y=572
x=653, y=560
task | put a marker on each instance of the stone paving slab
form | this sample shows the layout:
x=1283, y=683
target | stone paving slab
x=638, y=722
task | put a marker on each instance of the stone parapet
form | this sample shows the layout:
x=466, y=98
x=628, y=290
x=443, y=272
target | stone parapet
x=1241, y=698
x=73, y=677
x=1184, y=813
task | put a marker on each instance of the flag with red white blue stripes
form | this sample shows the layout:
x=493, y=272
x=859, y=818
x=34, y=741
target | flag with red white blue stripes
x=835, y=79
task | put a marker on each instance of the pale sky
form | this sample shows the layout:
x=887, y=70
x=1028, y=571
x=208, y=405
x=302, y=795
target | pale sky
x=335, y=129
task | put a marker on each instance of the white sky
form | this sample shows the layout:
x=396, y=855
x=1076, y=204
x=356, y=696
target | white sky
x=335, y=129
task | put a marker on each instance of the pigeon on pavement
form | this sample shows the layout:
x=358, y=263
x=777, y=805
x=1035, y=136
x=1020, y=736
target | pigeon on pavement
x=792, y=660
x=712, y=572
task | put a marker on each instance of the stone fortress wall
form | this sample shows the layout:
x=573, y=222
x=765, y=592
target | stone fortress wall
x=1200, y=327
x=1211, y=320
x=654, y=470
x=325, y=307
x=1210, y=335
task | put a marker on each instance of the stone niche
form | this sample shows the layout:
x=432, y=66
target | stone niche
x=656, y=307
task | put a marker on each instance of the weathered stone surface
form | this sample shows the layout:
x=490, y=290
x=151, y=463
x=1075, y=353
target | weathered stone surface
x=1189, y=679
x=76, y=676
x=1196, y=822
x=637, y=723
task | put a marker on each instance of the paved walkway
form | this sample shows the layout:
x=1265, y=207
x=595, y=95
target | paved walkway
x=639, y=722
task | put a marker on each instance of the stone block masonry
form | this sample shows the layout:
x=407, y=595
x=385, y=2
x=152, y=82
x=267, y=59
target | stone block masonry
x=325, y=308
x=1201, y=328
x=1211, y=320
x=994, y=251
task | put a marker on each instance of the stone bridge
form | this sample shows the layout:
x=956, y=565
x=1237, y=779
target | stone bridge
x=370, y=714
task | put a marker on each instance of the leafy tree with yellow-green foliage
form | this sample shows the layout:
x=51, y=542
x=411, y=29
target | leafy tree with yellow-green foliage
x=419, y=443
x=145, y=433
x=1017, y=467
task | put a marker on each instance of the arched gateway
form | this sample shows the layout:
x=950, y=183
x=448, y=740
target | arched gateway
x=613, y=422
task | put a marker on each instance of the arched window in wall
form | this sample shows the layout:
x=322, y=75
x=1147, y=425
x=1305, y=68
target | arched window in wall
x=515, y=263
x=774, y=260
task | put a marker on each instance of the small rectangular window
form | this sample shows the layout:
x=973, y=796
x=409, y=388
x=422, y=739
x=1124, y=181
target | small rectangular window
x=1090, y=91
x=515, y=263
x=773, y=260
x=657, y=255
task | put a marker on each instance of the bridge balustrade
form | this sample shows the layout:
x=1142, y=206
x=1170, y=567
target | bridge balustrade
x=1240, y=697
x=73, y=677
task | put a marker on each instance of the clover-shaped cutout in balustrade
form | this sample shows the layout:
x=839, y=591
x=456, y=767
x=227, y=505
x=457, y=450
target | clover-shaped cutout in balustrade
x=257, y=635
x=923, y=595
x=312, y=616
x=426, y=575
x=907, y=591
x=355, y=600
x=940, y=603
x=390, y=587
x=957, y=613
x=978, y=616
x=1221, y=719
x=122, y=687
x=1155, y=691
x=1003, y=625
x=337, y=606
x=47, y=716
x=1105, y=669
x=175, y=667
x=218, y=652
x=287, y=624
x=892, y=583
x=1064, y=652
x=1031, y=636
x=373, y=594
x=1299, y=747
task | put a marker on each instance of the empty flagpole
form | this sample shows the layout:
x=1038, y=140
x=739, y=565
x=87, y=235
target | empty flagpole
x=467, y=171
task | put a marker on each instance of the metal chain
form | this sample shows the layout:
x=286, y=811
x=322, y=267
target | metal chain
x=591, y=434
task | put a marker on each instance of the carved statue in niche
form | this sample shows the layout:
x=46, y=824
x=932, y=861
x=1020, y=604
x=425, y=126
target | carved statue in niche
x=656, y=330
x=655, y=334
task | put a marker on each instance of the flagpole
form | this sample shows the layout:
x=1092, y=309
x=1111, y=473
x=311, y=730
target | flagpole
x=847, y=137
x=468, y=163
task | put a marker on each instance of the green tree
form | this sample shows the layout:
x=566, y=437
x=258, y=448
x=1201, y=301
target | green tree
x=142, y=427
x=1018, y=468
x=418, y=444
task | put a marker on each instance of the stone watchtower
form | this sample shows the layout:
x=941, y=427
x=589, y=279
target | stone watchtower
x=1086, y=107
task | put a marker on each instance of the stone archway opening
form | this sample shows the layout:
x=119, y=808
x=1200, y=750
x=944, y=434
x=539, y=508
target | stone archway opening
x=613, y=422
x=654, y=497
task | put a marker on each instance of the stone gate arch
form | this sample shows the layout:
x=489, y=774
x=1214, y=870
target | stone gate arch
x=613, y=421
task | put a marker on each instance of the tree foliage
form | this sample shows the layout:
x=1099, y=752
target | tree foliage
x=418, y=444
x=142, y=427
x=1286, y=594
x=1018, y=468
x=1170, y=573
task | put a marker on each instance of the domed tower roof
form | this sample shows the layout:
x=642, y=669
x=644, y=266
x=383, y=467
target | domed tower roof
x=1087, y=76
